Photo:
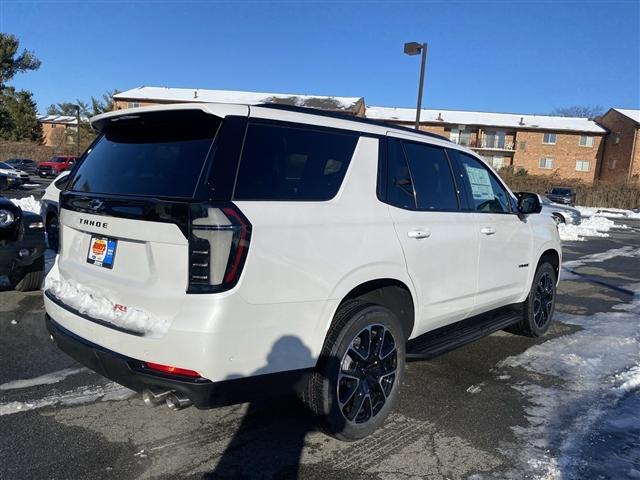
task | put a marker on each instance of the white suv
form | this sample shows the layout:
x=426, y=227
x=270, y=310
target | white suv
x=213, y=253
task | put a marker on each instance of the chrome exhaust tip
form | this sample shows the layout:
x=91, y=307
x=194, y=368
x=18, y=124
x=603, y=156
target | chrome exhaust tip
x=177, y=401
x=153, y=399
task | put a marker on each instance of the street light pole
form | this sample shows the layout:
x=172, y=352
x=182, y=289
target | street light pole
x=414, y=48
x=78, y=130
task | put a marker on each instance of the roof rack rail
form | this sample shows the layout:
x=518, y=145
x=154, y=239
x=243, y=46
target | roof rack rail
x=352, y=118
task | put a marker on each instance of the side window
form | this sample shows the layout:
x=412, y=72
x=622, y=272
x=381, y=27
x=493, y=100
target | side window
x=432, y=177
x=486, y=193
x=400, y=191
x=287, y=163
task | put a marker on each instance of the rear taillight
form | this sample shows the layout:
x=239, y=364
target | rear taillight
x=218, y=245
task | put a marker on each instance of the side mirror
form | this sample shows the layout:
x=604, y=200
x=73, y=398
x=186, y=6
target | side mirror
x=528, y=203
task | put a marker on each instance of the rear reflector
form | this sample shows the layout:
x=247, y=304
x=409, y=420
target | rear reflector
x=172, y=370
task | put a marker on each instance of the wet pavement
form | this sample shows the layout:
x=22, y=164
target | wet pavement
x=467, y=414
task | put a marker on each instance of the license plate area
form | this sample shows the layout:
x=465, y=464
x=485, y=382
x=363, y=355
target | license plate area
x=102, y=251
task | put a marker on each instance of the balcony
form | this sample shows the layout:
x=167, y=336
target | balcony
x=485, y=143
x=495, y=144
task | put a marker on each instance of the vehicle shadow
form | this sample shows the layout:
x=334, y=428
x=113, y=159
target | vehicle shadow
x=271, y=436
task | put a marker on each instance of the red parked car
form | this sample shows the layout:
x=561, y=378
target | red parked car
x=56, y=166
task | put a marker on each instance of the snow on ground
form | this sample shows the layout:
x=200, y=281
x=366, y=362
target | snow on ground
x=598, y=369
x=628, y=251
x=46, y=379
x=29, y=204
x=608, y=212
x=77, y=396
x=96, y=304
x=595, y=226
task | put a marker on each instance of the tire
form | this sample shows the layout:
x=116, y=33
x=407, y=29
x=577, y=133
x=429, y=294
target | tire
x=370, y=390
x=559, y=218
x=29, y=278
x=53, y=237
x=540, y=304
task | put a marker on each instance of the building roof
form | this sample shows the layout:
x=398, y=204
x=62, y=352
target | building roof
x=627, y=112
x=67, y=119
x=347, y=104
x=506, y=120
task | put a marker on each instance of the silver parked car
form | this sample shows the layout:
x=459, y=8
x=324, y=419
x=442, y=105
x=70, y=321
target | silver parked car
x=561, y=213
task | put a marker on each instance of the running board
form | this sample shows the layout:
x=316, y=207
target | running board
x=449, y=337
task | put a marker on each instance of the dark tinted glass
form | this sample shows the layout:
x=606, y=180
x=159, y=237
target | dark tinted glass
x=486, y=193
x=284, y=163
x=560, y=191
x=432, y=178
x=62, y=182
x=399, y=184
x=150, y=156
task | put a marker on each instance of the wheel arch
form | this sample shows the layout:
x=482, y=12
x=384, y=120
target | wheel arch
x=553, y=257
x=391, y=293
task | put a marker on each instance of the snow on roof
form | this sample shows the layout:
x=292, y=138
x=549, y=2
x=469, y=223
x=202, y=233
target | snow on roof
x=57, y=119
x=508, y=120
x=632, y=114
x=239, y=97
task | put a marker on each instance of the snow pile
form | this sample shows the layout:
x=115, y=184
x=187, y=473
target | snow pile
x=608, y=212
x=596, y=368
x=81, y=395
x=594, y=226
x=46, y=379
x=28, y=204
x=95, y=304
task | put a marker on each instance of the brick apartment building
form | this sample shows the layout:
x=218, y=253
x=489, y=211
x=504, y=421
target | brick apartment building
x=541, y=144
x=569, y=147
x=145, y=96
x=622, y=146
x=58, y=130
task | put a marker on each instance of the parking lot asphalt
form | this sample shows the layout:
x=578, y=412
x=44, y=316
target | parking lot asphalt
x=462, y=415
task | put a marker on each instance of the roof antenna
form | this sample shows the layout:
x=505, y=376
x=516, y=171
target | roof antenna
x=521, y=121
x=195, y=94
x=440, y=117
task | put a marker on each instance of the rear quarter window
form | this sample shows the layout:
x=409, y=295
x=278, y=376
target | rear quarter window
x=293, y=163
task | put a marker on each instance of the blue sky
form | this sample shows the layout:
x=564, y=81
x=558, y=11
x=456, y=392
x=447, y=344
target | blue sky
x=528, y=57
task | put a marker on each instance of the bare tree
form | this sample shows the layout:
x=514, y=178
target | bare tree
x=583, y=111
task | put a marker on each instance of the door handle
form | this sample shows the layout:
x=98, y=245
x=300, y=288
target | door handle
x=488, y=230
x=418, y=234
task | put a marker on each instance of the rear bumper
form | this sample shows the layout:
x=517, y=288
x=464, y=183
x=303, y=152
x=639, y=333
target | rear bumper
x=133, y=374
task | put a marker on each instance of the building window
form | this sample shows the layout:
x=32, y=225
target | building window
x=583, y=165
x=496, y=161
x=461, y=137
x=546, y=163
x=493, y=139
x=586, y=141
x=549, y=138
x=612, y=164
x=53, y=125
x=522, y=145
x=133, y=105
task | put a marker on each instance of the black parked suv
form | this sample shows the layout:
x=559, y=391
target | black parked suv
x=22, y=246
x=562, y=195
x=24, y=164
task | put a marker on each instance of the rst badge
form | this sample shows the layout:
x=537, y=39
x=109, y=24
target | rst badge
x=102, y=251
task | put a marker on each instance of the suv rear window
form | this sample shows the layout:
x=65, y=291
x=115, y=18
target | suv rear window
x=150, y=155
x=292, y=163
x=560, y=191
